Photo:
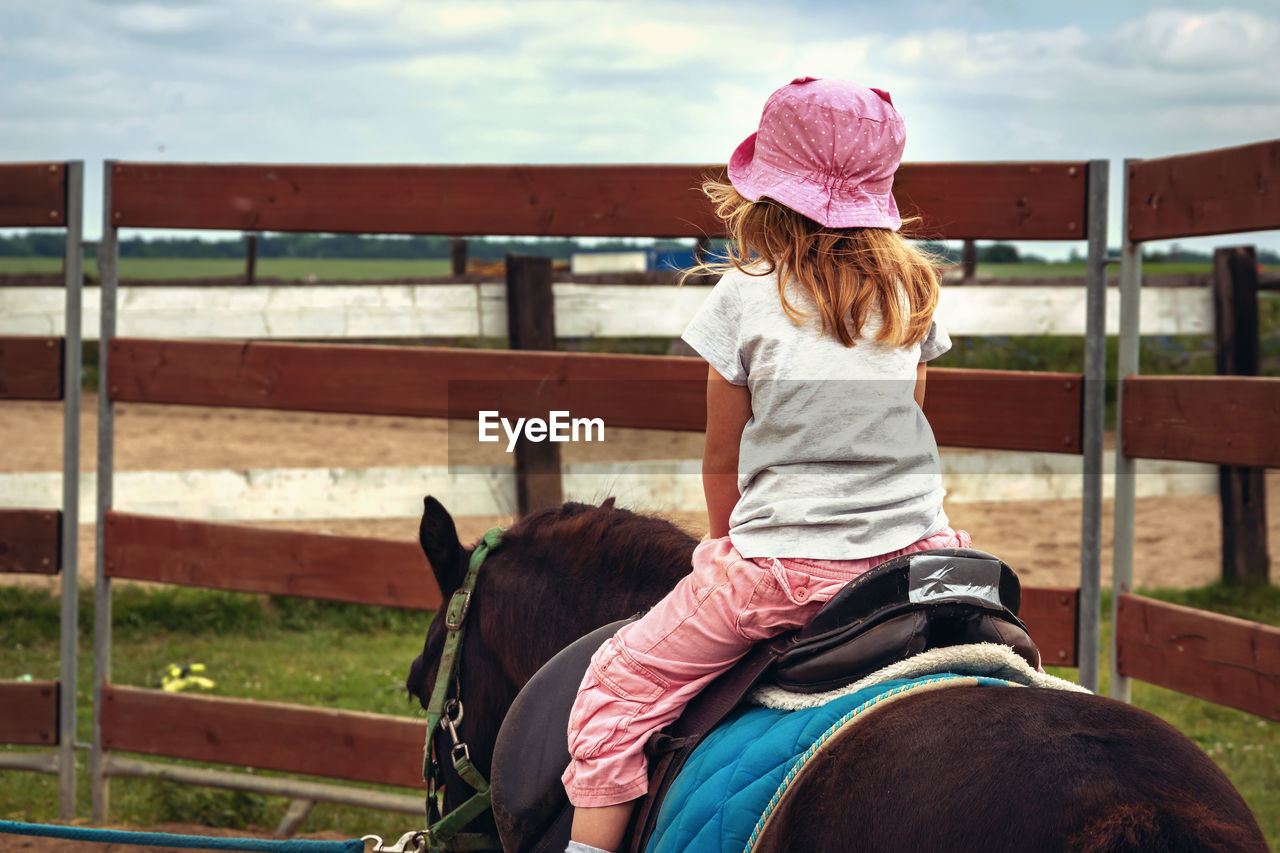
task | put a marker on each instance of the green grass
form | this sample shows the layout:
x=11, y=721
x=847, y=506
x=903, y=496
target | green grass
x=254, y=647
x=324, y=269
x=353, y=657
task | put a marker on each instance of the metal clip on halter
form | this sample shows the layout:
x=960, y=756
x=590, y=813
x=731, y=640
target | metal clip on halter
x=413, y=841
x=452, y=717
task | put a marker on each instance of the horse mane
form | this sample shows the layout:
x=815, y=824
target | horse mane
x=586, y=565
x=583, y=541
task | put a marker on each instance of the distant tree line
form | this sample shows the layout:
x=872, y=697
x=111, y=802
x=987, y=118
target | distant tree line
x=345, y=246
x=49, y=244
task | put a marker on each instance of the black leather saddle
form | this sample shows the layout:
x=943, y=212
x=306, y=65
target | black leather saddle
x=920, y=601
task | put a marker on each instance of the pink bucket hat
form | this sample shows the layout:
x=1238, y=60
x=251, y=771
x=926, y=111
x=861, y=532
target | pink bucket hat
x=827, y=149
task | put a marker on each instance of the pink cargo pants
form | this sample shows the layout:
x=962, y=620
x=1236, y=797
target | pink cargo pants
x=641, y=678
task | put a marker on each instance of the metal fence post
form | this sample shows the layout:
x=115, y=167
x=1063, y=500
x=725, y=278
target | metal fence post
x=1094, y=392
x=108, y=247
x=1126, y=365
x=73, y=284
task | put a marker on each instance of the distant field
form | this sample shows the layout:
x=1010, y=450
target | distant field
x=329, y=269
x=296, y=268
x=1077, y=268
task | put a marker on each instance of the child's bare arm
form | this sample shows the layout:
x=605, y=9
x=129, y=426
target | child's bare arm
x=728, y=410
x=921, y=368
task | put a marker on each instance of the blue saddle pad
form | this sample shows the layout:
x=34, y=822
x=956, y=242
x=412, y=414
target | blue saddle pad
x=739, y=772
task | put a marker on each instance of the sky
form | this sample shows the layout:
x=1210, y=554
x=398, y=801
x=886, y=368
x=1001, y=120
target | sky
x=644, y=81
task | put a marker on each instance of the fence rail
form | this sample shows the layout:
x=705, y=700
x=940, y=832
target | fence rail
x=1227, y=661
x=275, y=562
x=269, y=735
x=31, y=368
x=1010, y=410
x=1026, y=201
x=1225, y=191
x=1228, y=420
x=30, y=712
x=1052, y=616
x=33, y=194
x=1001, y=201
x=32, y=541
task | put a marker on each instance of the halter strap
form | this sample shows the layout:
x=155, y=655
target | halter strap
x=443, y=831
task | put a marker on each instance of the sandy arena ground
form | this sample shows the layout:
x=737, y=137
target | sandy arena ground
x=1177, y=540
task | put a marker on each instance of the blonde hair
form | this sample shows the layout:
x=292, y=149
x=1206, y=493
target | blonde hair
x=848, y=272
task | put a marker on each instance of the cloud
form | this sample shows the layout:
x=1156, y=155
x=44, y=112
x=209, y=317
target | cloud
x=1197, y=42
x=1063, y=92
x=154, y=18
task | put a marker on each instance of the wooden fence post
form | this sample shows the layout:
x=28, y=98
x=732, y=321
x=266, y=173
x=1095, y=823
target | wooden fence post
x=1243, y=490
x=969, y=260
x=531, y=324
x=250, y=258
x=458, y=255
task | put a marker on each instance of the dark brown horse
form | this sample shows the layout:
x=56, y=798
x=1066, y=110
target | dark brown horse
x=965, y=769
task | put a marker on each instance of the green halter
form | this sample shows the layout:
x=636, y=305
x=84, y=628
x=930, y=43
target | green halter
x=444, y=831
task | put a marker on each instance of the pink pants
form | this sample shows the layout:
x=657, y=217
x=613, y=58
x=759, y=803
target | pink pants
x=641, y=678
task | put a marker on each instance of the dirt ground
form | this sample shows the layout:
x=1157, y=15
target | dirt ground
x=1177, y=542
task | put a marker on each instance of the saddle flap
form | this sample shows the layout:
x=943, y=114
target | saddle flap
x=530, y=807
x=889, y=642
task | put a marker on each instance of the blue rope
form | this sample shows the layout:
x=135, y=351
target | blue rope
x=191, y=842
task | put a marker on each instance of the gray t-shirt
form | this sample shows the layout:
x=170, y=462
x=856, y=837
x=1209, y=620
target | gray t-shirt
x=837, y=461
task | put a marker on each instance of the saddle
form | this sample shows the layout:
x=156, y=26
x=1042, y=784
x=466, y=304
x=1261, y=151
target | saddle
x=919, y=601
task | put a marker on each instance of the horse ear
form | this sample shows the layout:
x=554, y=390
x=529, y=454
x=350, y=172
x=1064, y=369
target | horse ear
x=439, y=540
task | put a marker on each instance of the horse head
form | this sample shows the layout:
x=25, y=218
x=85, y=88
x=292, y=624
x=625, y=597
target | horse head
x=555, y=575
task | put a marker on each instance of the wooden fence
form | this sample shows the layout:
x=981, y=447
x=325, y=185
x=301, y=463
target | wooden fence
x=967, y=408
x=43, y=541
x=1230, y=421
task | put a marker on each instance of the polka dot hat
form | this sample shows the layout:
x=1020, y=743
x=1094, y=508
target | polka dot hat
x=827, y=149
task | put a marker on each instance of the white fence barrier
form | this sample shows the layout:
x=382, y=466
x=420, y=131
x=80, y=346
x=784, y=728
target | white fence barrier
x=663, y=485
x=582, y=310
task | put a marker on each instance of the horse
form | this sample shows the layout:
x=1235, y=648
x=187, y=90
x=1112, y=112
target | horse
x=963, y=769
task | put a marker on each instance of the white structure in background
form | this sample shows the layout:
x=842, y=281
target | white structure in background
x=582, y=310
x=280, y=494
x=590, y=263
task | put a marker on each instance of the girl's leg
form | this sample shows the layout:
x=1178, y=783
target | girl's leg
x=641, y=679
x=602, y=827
x=579, y=847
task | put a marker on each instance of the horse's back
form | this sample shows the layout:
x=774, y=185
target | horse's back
x=977, y=769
